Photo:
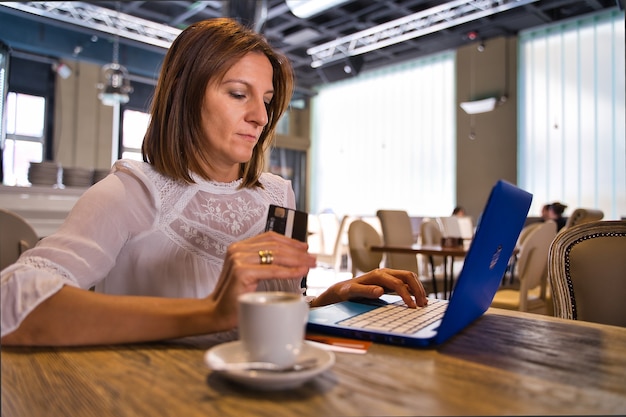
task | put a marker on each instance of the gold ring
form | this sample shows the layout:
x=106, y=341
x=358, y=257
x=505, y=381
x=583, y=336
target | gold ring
x=265, y=257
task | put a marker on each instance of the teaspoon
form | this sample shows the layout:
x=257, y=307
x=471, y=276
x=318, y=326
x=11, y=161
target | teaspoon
x=265, y=366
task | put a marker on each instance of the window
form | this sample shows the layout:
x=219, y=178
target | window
x=135, y=119
x=29, y=107
x=134, y=126
x=4, y=81
x=572, y=114
x=390, y=131
x=25, y=138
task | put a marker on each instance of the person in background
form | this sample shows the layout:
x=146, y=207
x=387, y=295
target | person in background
x=555, y=212
x=458, y=211
x=169, y=244
x=545, y=212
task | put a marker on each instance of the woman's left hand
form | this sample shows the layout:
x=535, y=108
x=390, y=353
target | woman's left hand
x=374, y=284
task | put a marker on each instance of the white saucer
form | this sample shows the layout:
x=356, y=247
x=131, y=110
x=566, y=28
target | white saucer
x=267, y=380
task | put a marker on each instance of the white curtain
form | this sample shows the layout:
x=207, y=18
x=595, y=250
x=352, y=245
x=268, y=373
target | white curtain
x=572, y=114
x=386, y=140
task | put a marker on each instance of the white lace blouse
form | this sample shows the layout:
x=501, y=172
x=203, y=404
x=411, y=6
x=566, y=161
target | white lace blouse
x=137, y=232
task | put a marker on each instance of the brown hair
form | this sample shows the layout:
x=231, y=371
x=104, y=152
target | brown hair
x=201, y=54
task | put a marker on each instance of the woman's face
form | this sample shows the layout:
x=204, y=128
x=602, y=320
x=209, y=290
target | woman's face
x=234, y=112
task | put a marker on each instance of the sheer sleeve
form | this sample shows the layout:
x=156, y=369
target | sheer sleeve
x=83, y=250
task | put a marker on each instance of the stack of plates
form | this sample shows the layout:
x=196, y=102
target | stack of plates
x=44, y=173
x=77, y=177
x=99, y=174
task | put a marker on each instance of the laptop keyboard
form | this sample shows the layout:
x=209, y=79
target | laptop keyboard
x=397, y=317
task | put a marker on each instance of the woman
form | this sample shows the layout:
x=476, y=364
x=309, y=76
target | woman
x=555, y=212
x=169, y=244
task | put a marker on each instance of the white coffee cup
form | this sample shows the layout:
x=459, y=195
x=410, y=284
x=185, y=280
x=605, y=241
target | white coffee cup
x=272, y=325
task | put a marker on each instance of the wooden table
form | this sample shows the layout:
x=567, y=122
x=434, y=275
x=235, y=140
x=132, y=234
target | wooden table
x=506, y=363
x=430, y=251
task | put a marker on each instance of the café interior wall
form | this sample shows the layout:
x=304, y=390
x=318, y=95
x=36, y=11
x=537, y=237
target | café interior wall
x=83, y=133
x=492, y=152
x=83, y=127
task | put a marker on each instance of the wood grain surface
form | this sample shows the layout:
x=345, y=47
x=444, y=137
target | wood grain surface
x=506, y=363
x=432, y=250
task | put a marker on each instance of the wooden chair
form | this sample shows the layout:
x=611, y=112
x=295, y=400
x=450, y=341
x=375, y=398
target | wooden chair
x=512, y=267
x=333, y=243
x=533, y=294
x=16, y=236
x=587, y=272
x=583, y=215
x=467, y=227
x=431, y=234
x=398, y=231
x=361, y=237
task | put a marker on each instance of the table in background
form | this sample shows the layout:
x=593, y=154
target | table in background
x=503, y=364
x=430, y=251
x=44, y=207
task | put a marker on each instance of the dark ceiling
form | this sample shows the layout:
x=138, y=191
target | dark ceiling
x=284, y=30
x=357, y=15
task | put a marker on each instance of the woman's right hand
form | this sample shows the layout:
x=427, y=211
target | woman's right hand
x=374, y=284
x=243, y=270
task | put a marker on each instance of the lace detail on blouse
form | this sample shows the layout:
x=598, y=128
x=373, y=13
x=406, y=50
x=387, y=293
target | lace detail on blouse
x=46, y=266
x=206, y=217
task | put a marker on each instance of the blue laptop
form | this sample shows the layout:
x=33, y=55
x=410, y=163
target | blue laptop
x=388, y=320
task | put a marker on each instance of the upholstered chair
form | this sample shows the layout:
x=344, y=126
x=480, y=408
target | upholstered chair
x=587, y=272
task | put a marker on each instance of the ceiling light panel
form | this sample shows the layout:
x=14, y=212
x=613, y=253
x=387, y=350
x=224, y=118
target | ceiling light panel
x=307, y=8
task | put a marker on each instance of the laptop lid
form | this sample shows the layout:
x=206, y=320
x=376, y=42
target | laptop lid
x=455, y=226
x=451, y=226
x=483, y=269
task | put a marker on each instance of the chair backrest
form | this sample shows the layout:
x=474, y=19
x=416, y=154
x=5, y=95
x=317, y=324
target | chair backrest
x=526, y=231
x=457, y=226
x=16, y=236
x=587, y=272
x=431, y=234
x=373, y=221
x=341, y=242
x=532, y=263
x=450, y=226
x=397, y=230
x=329, y=226
x=467, y=227
x=361, y=237
x=314, y=234
x=583, y=215
x=329, y=237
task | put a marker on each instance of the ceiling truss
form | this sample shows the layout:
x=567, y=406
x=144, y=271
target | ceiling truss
x=382, y=32
x=102, y=20
x=428, y=21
